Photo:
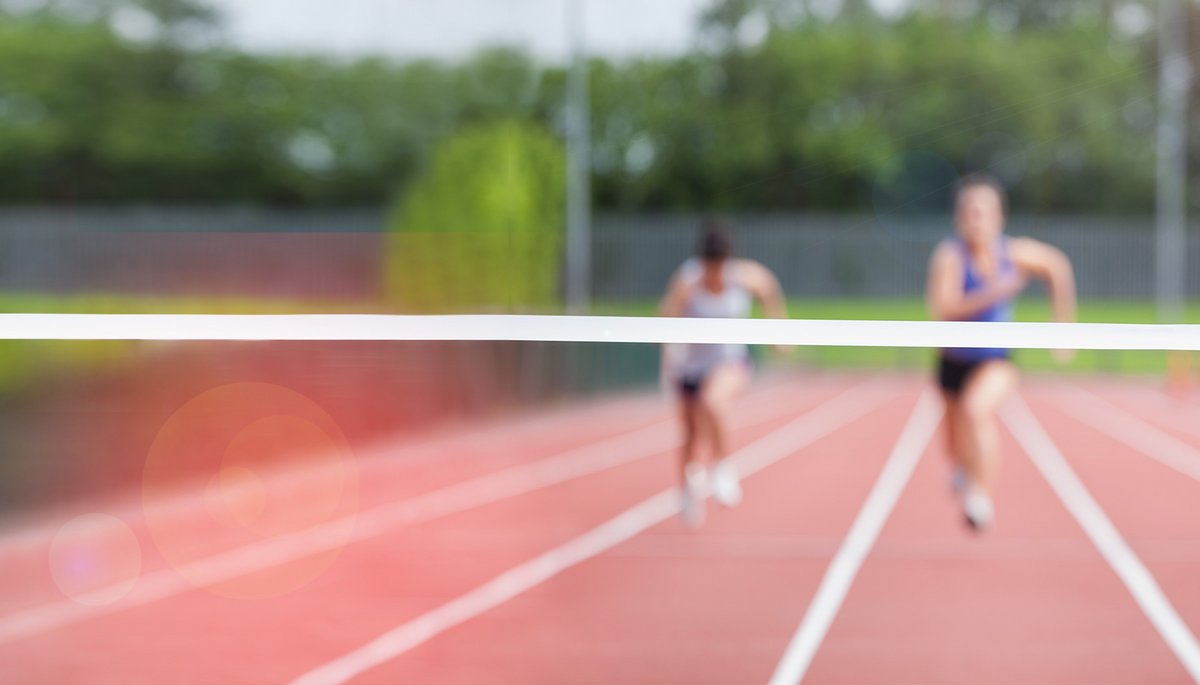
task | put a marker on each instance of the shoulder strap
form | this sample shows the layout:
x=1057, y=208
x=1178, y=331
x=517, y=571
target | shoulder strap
x=691, y=269
x=1005, y=254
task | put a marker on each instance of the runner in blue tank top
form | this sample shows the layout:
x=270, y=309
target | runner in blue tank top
x=975, y=276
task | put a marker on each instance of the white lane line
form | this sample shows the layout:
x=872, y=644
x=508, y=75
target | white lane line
x=817, y=423
x=1104, y=535
x=894, y=477
x=1133, y=432
x=377, y=458
x=164, y=584
x=381, y=457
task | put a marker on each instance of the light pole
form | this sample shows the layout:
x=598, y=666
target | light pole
x=579, y=186
x=1175, y=77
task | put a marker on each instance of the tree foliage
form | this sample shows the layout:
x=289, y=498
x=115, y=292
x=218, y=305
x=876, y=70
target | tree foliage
x=483, y=225
x=785, y=104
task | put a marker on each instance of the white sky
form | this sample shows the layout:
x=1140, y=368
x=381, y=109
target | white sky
x=454, y=28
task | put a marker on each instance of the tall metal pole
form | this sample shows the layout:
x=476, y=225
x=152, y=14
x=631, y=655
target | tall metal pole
x=1174, y=85
x=579, y=182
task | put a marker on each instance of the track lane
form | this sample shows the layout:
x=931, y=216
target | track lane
x=397, y=574
x=1031, y=601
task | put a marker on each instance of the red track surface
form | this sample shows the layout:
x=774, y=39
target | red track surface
x=1031, y=601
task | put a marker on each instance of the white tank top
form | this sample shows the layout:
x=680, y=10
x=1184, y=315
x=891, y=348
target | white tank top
x=733, y=302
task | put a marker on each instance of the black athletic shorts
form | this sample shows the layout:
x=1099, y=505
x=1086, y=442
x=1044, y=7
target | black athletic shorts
x=690, y=384
x=954, y=374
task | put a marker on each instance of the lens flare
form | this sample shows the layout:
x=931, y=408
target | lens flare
x=95, y=559
x=270, y=467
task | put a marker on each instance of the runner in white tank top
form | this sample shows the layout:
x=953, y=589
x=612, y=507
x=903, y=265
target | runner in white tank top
x=708, y=377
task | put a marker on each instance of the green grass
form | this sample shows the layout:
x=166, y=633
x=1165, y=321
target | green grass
x=38, y=303
x=912, y=309
x=23, y=363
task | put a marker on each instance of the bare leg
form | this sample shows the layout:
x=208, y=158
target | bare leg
x=977, y=427
x=954, y=447
x=725, y=383
x=722, y=386
x=959, y=474
x=689, y=416
x=692, y=500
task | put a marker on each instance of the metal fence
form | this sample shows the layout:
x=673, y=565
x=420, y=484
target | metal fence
x=338, y=254
x=838, y=256
x=203, y=252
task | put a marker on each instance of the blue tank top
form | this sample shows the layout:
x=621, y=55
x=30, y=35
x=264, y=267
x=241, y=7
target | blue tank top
x=973, y=281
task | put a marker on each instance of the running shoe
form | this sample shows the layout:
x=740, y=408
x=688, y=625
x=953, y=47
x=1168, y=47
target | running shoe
x=691, y=508
x=727, y=490
x=978, y=509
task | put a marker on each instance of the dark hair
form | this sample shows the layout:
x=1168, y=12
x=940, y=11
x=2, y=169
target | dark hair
x=981, y=179
x=716, y=242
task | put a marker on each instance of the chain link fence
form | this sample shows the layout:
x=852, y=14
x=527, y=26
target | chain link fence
x=819, y=256
x=339, y=254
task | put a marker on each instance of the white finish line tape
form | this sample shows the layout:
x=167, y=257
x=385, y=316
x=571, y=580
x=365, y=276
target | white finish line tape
x=1076, y=336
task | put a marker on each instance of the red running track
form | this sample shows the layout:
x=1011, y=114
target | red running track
x=622, y=593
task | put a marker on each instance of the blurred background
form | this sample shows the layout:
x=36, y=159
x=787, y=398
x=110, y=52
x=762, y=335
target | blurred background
x=402, y=156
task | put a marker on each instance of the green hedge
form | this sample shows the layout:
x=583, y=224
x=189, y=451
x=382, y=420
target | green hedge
x=483, y=227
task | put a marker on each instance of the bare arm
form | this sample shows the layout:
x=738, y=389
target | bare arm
x=675, y=299
x=765, y=288
x=1048, y=263
x=944, y=295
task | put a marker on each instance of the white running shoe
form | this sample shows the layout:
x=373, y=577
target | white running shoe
x=978, y=509
x=726, y=488
x=691, y=508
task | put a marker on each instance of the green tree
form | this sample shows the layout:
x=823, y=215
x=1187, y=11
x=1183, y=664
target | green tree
x=483, y=226
x=788, y=105
x=817, y=111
